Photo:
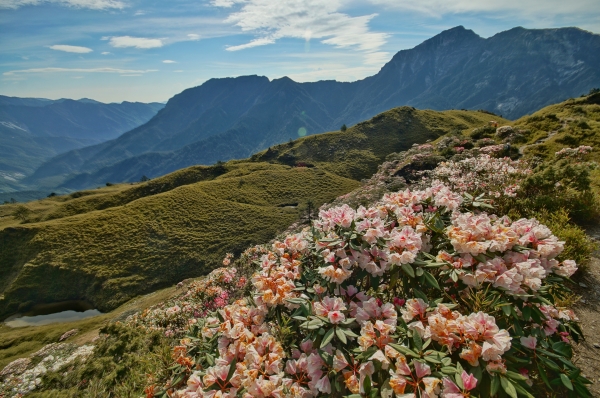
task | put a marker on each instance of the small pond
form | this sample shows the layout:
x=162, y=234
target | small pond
x=44, y=314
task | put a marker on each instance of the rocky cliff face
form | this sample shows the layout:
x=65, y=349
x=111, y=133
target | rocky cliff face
x=512, y=74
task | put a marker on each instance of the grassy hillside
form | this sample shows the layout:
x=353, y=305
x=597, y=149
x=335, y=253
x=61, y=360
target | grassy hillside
x=137, y=245
x=357, y=152
x=567, y=124
x=110, y=244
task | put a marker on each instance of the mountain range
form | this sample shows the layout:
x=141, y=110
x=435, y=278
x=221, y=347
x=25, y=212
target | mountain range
x=33, y=130
x=511, y=74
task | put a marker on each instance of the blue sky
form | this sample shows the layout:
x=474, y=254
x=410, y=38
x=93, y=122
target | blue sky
x=147, y=50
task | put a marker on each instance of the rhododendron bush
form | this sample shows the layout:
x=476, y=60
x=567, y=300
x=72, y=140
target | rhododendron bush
x=420, y=295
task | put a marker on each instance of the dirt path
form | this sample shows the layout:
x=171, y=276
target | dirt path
x=540, y=141
x=587, y=353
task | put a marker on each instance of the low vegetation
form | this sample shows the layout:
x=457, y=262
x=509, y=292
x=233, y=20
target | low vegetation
x=423, y=264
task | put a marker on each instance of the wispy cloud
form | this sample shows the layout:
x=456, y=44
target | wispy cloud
x=77, y=70
x=91, y=4
x=169, y=61
x=254, y=43
x=106, y=53
x=193, y=36
x=529, y=8
x=71, y=49
x=302, y=19
x=137, y=42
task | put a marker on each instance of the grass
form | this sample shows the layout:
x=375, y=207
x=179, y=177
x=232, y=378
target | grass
x=572, y=123
x=137, y=245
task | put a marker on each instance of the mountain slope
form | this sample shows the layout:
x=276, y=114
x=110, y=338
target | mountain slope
x=33, y=130
x=111, y=244
x=512, y=73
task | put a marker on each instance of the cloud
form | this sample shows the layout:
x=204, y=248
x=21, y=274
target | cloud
x=106, y=53
x=178, y=71
x=168, y=61
x=530, y=8
x=91, y=4
x=137, y=42
x=77, y=70
x=302, y=19
x=193, y=36
x=139, y=13
x=71, y=49
x=254, y=43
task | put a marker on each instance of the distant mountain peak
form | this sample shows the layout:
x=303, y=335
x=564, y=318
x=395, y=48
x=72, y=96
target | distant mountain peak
x=458, y=32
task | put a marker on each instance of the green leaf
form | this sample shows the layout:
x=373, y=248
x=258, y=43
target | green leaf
x=522, y=391
x=367, y=384
x=408, y=269
x=231, y=369
x=508, y=387
x=562, y=348
x=295, y=300
x=515, y=376
x=419, y=271
x=431, y=281
x=420, y=295
x=566, y=381
x=418, y=341
x=367, y=354
x=327, y=338
x=349, y=333
x=210, y=359
x=340, y=335
x=432, y=359
x=458, y=380
x=549, y=363
x=403, y=350
x=178, y=380
x=526, y=313
x=477, y=372
x=495, y=385
x=426, y=344
x=448, y=370
x=454, y=276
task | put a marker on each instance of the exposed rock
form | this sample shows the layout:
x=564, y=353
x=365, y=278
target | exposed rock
x=504, y=131
x=68, y=334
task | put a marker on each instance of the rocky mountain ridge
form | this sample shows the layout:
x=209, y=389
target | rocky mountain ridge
x=511, y=74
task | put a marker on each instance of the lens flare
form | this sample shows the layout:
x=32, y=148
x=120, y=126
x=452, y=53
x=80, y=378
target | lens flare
x=301, y=132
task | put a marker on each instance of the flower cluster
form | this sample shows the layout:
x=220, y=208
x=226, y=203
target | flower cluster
x=203, y=296
x=482, y=175
x=376, y=300
x=576, y=153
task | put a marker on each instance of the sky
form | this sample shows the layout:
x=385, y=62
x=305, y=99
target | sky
x=150, y=50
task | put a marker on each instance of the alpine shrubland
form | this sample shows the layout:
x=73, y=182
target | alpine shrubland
x=446, y=273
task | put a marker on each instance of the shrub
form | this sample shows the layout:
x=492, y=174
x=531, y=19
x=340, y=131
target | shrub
x=21, y=213
x=417, y=294
x=483, y=132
